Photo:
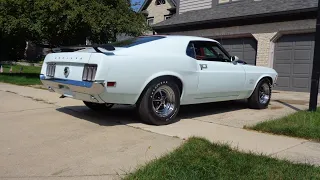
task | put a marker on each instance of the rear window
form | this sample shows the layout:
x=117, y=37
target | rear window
x=136, y=41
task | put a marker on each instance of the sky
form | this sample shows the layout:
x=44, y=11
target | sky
x=139, y=1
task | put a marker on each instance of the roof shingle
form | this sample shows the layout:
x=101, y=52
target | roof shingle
x=243, y=8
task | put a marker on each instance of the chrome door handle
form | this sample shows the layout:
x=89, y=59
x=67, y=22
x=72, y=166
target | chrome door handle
x=203, y=66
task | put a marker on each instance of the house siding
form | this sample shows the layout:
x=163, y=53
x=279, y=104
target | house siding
x=191, y=5
x=266, y=34
x=158, y=11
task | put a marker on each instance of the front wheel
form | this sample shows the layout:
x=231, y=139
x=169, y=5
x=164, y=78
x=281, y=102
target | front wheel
x=160, y=103
x=97, y=106
x=261, y=96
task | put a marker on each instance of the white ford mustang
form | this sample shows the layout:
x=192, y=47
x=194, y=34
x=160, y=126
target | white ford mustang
x=157, y=74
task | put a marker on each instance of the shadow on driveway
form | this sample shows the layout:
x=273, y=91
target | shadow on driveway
x=120, y=114
x=199, y=110
x=288, y=105
x=113, y=117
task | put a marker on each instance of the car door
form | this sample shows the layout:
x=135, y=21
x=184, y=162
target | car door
x=219, y=78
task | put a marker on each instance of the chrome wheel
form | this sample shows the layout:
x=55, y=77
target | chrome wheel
x=163, y=101
x=264, y=93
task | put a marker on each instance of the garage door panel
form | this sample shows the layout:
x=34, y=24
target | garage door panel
x=234, y=50
x=284, y=82
x=238, y=47
x=249, y=61
x=251, y=50
x=293, y=59
x=283, y=68
x=300, y=82
x=244, y=48
x=283, y=55
x=302, y=55
x=284, y=45
x=249, y=46
x=301, y=69
x=248, y=56
x=303, y=47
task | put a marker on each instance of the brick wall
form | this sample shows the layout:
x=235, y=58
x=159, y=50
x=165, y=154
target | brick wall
x=265, y=34
x=264, y=47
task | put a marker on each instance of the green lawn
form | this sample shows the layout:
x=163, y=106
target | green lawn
x=29, y=76
x=303, y=124
x=200, y=159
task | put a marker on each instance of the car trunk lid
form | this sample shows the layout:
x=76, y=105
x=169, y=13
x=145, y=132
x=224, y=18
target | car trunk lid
x=66, y=65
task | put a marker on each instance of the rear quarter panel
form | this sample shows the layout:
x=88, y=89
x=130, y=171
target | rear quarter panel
x=132, y=74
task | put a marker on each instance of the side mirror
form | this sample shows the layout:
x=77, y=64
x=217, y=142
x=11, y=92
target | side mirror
x=234, y=58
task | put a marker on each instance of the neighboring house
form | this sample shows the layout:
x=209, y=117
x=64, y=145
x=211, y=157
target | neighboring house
x=272, y=33
x=158, y=10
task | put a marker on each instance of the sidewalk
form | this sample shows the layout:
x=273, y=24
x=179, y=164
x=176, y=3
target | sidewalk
x=293, y=149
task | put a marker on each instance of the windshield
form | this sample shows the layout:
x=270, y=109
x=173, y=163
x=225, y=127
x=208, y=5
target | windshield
x=136, y=41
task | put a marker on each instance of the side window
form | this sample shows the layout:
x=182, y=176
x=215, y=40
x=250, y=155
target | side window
x=210, y=51
x=190, y=50
x=220, y=52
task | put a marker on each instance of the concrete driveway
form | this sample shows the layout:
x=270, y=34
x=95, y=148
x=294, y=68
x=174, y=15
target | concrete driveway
x=44, y=137
x=237, y=114
x=43, y=141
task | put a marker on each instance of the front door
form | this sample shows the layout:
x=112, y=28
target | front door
x=219, y=78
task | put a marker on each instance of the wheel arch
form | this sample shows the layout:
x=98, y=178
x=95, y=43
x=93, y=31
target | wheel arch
x=174, y=76
x=268, y=77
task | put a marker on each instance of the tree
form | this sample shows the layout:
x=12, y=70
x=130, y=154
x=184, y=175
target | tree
x=71, y=21
x=14, y=28
x=68, y=22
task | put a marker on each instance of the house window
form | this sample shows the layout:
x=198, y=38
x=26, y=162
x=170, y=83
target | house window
x=150, y=21
x=167, y=17
x=159, y=2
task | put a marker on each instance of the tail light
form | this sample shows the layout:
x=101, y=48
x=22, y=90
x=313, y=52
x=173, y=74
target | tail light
x=51, y=68
x=89, y=72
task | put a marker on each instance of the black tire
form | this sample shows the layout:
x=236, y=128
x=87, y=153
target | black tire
x=97, y=106
x=146, y=108
x=254, y=101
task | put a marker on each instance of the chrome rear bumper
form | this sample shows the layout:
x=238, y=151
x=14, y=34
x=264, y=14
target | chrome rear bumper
x=82, y=90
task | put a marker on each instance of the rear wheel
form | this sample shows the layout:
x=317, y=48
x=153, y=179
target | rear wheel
x=97, y=106
x=261, y=96
x=160, y=103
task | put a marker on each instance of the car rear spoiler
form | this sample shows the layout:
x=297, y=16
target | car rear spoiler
x=96, y=47
x=108, y=47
